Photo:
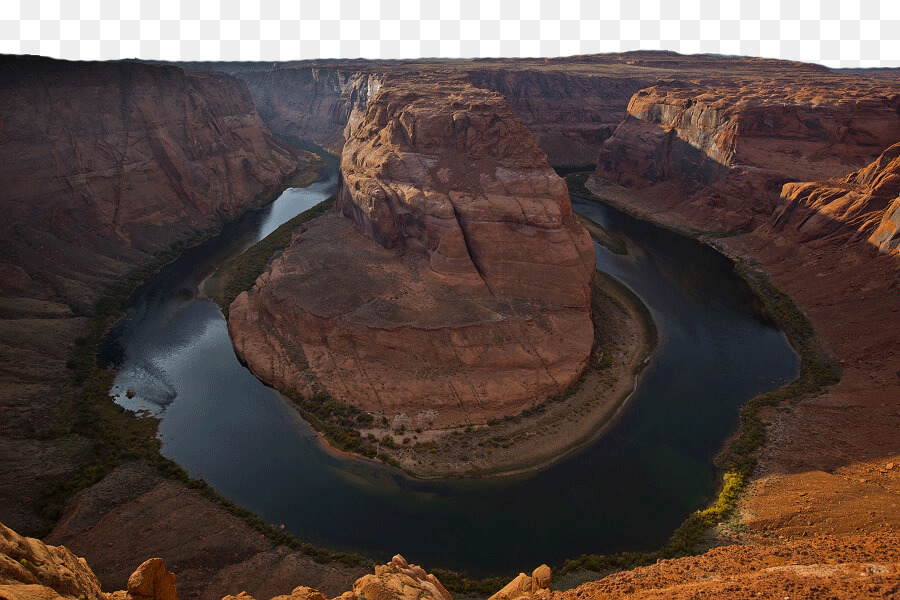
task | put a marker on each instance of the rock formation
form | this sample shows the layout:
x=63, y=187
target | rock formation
x=536, y=585
x=465, y=297
x=151, y=581
x=862, y=205
x=728, y=146
x=29, y=569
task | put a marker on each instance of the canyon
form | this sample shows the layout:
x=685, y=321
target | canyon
x=787, y=166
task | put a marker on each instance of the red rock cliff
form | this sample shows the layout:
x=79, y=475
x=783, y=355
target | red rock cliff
x=465, y=297
x=728, y=145
x=862, y=205
x=102, y=165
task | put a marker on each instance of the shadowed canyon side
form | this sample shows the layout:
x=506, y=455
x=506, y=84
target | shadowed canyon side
x=463, y=291
x=104, y=164
x=109, y=163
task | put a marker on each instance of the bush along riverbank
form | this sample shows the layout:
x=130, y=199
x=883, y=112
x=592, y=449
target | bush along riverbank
x=736, y=461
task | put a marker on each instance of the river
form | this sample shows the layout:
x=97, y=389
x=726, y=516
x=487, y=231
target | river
x=626, y=491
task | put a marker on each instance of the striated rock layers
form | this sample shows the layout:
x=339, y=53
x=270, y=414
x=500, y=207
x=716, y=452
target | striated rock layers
x=313, y=102
x=105, y=162
x=727, y=146
x=456, y=285
x=862, y=205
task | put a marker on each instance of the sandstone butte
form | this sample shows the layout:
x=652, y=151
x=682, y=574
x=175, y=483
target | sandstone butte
x=454, y=285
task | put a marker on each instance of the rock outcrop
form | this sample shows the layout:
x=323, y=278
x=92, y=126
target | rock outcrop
x=397, y=580
x=536, y=585
x=462, y=293
x=726, y=147
x=150, y=581
x=862, y=205
x=32, y=570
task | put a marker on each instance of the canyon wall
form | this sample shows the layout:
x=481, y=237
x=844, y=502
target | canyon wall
x=104, y=164
x=311, y=103
x=861, y=206
x=570, y=113
x=107, y=163
x=727, y=147
x=461, y=294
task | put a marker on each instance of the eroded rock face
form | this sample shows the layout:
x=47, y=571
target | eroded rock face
x=452, y=172
x=107, y=162
x=728, y=146
x=862, y=205
x=461, y=294
x=31, y=569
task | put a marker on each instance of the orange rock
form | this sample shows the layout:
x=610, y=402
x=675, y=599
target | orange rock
x=32, y=570
x=153, y=581
x=398, y=580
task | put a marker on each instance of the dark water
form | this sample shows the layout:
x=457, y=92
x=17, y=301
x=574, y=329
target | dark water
x=627, y=491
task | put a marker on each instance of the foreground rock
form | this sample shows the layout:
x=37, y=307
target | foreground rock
x=29, y=569
x=536, y=585
x=461, y=294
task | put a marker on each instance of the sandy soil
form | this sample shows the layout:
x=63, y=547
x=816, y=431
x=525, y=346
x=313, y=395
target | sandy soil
x=862, y=566
x=624, y=340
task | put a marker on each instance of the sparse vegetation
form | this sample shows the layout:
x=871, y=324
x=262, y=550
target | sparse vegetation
x=737, y=460
x=241, y=273
x=116, y=436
